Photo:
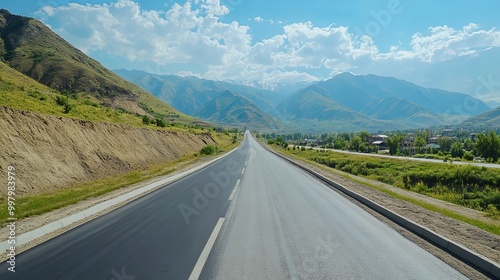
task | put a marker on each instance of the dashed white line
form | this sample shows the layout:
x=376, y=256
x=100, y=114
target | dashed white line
x=234, y=190
x=246, y=163
x=243, y=171
x=195, y=274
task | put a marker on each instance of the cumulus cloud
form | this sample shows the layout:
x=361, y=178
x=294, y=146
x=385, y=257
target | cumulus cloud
x=194, y=33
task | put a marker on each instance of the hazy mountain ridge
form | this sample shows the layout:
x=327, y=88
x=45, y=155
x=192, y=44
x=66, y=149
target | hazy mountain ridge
x=378, y=103
x=491, y=117
x=344, y=102
x=231, y=109
x=194, y=96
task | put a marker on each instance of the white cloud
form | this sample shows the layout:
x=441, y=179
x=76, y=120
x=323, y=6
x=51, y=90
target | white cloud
x=262, y=20
x=193, y=33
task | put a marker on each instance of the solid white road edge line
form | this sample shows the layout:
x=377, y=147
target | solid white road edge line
x=234, y=190
x=195, y=274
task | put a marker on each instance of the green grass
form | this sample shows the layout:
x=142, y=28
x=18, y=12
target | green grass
x=474, y=187
x=21, y=92
x=480, y=224
x=394, y=167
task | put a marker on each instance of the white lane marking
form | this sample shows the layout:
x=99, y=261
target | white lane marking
x=243, y=171
x=246, y=163
x=195, y=274
x=234, y=190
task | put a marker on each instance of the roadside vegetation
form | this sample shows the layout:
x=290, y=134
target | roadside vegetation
x=461, y=145
x=470, y=186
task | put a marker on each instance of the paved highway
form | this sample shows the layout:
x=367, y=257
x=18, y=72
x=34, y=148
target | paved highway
x=250, y=215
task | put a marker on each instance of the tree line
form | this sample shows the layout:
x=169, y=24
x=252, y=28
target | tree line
x=483, y=145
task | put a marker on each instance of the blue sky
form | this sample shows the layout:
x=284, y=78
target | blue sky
x=272, y=42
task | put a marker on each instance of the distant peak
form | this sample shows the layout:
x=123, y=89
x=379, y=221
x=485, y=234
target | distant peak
x=347, y=74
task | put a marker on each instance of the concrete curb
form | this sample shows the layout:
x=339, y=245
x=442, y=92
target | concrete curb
x=470, y=257
x=135, y=194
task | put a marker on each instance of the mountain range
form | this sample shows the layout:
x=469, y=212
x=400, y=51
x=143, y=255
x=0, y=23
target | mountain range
x=194, y=96
x=345, y=102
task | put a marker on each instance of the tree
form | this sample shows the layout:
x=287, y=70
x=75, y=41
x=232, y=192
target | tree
x=356, y=143
x=445, y=143
x=394, y=142
x=160, y=123
x=340, y=143
x=457, y=150
x=419, y=143
x=488, y=146
x=365, y=136
x=146, y=120
x=468, y=144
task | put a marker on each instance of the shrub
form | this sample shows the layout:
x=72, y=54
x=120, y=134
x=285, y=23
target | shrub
x=67, y=108
x=207, y=150
x=146, y=120
x=160, y=123
x=468, y=156
x=61, y=100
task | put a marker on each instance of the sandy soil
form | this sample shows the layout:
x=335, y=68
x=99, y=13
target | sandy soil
x=51, y=152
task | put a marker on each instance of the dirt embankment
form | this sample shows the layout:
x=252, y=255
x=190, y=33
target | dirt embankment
x=51, y=152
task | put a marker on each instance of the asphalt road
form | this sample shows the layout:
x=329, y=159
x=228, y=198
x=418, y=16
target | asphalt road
x=250, y=215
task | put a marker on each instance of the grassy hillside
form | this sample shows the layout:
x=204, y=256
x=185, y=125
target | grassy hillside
x=351, y=103
x=311, y=111
x=21, y=92
x=188, y=94
x=232, y=109
x=34, y=50
x=491, y=117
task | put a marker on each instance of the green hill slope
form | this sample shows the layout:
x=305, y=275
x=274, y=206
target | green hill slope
x=489, y=118
x=232, y=109
x=188, y=94
x=33, y=49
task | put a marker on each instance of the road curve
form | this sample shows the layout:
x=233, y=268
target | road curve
x=250, y=215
